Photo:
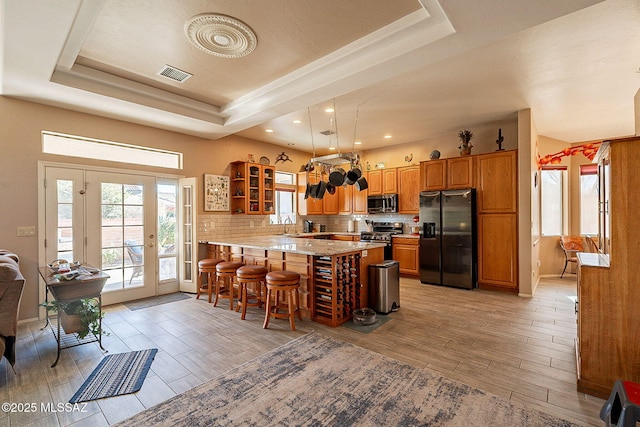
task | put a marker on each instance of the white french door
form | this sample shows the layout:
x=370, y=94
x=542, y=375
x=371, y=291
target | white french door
x=121, y=233
x=107, y=220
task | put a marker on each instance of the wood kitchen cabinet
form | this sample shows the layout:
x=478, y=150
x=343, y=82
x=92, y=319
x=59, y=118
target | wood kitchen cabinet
x=433, y=175
x=328, y=205
x=382, y=181
x=308, y=206
x=374, y=179
x=498, y=251
x=406, y=252
x=607, y=347
x=350, y=200
x=359, y=204
x=389, y=181
x=497, y=182
x=409, y=190
x=461, y=172
x=252, y=188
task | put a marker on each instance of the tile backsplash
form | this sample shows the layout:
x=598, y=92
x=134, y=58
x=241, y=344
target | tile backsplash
x=215, y=226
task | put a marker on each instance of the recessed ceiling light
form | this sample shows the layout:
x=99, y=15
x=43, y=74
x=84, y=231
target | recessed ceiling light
x=387, y=137
x=297, y=121
x=332, y=148
x=329, y=110
x=358, y=143
x=268, y=130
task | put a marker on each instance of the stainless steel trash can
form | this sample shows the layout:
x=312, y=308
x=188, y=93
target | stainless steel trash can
x=384, y=286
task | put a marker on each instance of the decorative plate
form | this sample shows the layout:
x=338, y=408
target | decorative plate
x=264, y=160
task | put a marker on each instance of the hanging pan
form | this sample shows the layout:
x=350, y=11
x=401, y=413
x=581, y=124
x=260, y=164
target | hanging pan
x=336, y=177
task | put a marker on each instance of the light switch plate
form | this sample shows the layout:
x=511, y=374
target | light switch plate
x=26, y=231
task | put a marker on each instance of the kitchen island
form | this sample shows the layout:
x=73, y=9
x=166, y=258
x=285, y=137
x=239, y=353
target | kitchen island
x=334, y=274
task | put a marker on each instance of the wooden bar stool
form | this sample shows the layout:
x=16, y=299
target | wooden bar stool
x=250, y=276
x=226, y=273
x=207, y=266
x=287, y=282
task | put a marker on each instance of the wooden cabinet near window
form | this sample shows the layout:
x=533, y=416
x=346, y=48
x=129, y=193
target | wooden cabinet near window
x=433, y=175
x=409, y=190
x=608, y=347
x=497, y=182
x=406, y=252
x=308, y=206
x=252, y=188
x=498, y=251
x=328, y=205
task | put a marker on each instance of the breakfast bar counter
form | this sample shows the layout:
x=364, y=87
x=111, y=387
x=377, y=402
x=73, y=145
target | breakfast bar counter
x=298, y=244
x=333, y=273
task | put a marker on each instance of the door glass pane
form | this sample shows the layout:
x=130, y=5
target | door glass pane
x=551, y=201
x=122, y=235
x=187, y=193
x=64, y=190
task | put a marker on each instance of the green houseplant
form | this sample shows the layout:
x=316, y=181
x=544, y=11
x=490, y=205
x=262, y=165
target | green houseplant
x=79, y=317
x=465, y=142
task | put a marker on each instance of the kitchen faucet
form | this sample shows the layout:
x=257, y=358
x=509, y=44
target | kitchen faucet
x=284, y=229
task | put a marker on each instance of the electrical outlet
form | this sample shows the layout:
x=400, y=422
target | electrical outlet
x=335, y=221
x=26, y=231
x=251, y=224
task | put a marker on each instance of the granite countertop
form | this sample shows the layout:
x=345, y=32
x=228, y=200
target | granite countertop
x=298, y=245
x=588, y=259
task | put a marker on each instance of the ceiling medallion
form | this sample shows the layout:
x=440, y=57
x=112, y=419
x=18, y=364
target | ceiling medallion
x=221, y=35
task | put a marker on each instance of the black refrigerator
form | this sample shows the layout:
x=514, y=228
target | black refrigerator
x=448, y=243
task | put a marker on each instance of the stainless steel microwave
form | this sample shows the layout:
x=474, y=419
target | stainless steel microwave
x=384, y=203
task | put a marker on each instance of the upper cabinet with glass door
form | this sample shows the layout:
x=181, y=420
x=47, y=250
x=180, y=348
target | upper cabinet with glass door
x=252, y=188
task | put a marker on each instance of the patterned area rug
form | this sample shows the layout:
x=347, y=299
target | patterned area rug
x=318, y=381
x=116, y=374
x=153, y=301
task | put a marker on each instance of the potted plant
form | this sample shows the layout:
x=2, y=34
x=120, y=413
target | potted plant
x=465, y=142
x=79, y=317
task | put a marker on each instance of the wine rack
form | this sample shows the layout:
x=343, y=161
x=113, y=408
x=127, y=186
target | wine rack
x=336, y=290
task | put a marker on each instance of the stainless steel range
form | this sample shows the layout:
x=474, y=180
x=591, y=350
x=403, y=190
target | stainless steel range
x=381, y=232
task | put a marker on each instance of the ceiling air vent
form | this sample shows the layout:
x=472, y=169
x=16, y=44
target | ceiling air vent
x=174, y=74
x=328, y=132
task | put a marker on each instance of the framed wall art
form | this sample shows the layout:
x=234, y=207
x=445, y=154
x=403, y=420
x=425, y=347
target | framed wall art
x=216, y=192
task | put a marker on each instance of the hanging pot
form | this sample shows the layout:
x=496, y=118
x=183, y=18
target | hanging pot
x=307, y=191
x=331, y=189
x=321, y=187
x=361, y=184
x=336, y=177
x=313, y=190
x=352, y=176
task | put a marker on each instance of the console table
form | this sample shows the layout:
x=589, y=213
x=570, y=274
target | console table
x=66, y=291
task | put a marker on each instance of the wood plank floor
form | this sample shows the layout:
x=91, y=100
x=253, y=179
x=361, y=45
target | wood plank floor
x=518, y=348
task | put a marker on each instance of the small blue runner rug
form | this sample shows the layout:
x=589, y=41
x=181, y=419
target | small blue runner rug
x=116, y=374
